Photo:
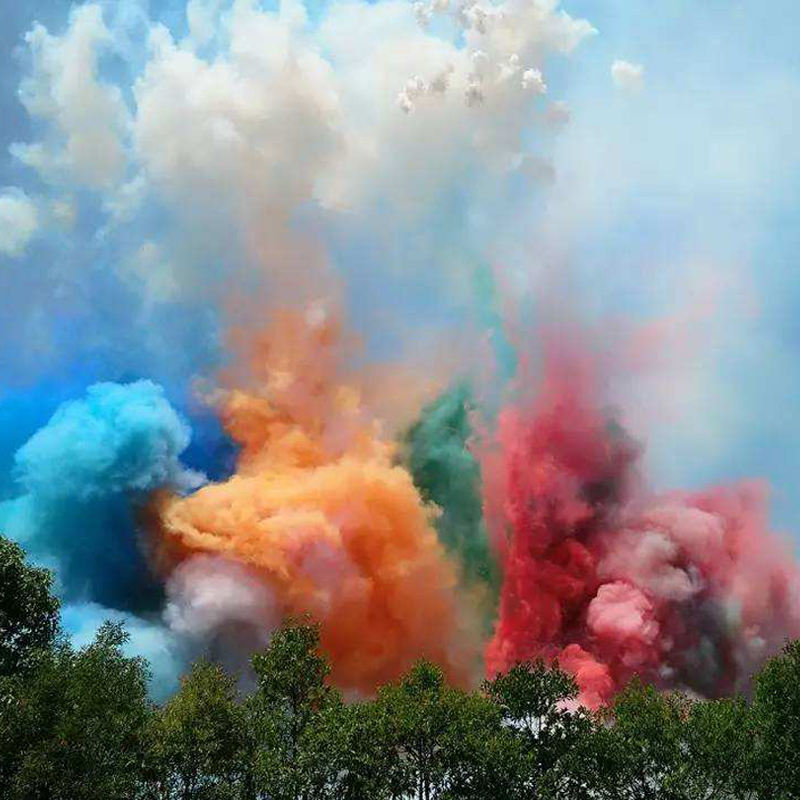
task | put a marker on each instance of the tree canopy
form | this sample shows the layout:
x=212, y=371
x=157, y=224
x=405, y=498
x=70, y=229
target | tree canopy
x=28, y=609
x=77, y=724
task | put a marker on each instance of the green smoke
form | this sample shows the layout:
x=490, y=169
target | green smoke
x=490, y=318
x=447, y=474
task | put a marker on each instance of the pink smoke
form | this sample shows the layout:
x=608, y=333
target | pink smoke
x=686, y=589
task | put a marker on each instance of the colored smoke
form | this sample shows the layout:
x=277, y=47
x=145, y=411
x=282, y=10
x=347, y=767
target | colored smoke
x=432, y=165
x=686, y=589
x=317, y=516
x=448, y=475
x=83, y=474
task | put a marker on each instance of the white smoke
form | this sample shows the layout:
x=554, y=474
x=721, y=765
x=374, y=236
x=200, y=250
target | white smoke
x=208, y=594
x=19, y=221
x=255, y=115
x=628, y=76
x=86, y=118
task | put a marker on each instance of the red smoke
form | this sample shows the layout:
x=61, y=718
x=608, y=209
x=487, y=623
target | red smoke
x=689, y=590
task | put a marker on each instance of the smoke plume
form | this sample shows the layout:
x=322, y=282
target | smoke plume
x=686, y=589
x=318, y=513
x=198, y=441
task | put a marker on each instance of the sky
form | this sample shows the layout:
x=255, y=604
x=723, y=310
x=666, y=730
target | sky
x=164, y=178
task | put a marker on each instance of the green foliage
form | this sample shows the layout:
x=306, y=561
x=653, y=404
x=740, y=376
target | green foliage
x=291, y=671
x=196, y=739
x=637, y=756
x=74, y=729
x=28, y=610
x=537, y=705
x=776, y=727
x=718, y=754
x=368, y=766
x=294, y=721
x=484, y=758
x=531, y=696
x=432, y=733
x=77, y=725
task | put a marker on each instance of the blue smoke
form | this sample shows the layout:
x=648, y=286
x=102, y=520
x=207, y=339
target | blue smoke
x=84, y=474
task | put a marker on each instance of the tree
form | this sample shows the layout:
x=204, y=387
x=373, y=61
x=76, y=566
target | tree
x=482, y=757
x=196, y=739
x=415, y=720
x=537, y=706
x=74, y=726
x=368, y=766
x=440, y=740
x=639, y=747
x=775, y=768
x=77, y=725
x=294, y=721
x=28, y=610
x=717, y=738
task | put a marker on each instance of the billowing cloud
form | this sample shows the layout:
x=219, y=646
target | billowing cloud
x=187, y=174
x=256, y=115
x=85, y=117
x=83, y=475
x=240, y=139
x=627, y=76
x=19, y=221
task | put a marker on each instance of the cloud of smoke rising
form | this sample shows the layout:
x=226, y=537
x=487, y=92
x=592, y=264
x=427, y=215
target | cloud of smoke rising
x=18, y=222
x=221, y=608
x=239, y=152
x=448, y=475
x=627, y=76
x=687, y=589
x=318, y=514
x=83, y=474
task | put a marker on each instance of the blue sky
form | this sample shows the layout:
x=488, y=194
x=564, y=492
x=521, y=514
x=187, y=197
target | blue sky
x=706, y=167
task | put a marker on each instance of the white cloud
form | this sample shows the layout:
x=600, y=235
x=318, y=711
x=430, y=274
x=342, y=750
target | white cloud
x=628, y=76
x=286, y=113
x=125, y=201
x=472, y=102
x=63, y=211
x=256, y=114
x=151, y=266
x=19, y=221
x=87, y=117
x=242, y=139
x=201, y=16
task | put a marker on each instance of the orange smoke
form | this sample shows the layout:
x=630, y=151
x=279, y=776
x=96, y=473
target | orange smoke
x=317, y=508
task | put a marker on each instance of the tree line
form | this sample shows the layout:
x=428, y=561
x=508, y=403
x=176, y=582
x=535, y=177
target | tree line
x=77, y=724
